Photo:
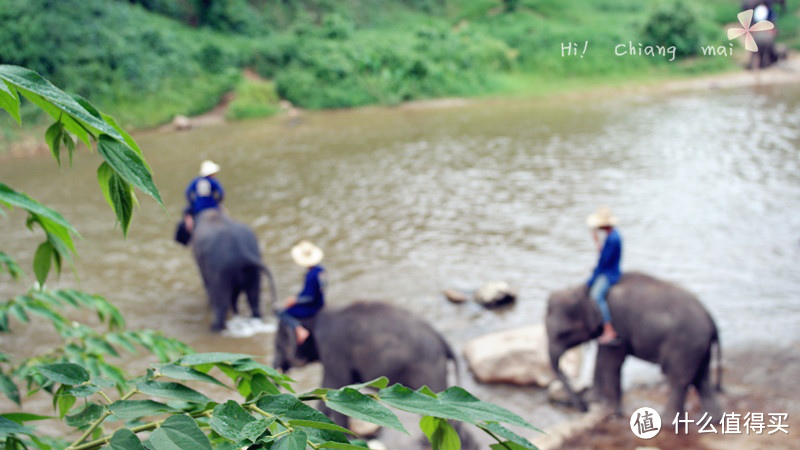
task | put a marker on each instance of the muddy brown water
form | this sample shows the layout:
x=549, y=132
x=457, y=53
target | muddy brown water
x=409, y=201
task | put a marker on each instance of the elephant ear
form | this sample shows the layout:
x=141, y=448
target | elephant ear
x=592, y=317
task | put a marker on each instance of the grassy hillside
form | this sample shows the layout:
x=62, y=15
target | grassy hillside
x=148, y=60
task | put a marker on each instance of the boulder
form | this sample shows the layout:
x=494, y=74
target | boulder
x=454, y=296
x=517, y=356
x=495, y=293
x=182, y=123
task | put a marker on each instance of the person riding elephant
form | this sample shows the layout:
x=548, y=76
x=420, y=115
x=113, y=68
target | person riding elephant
x=311, y=298
x=365, y=341
x=656, y=321
x=203, y=192
x=229, y=261
x=607, y=272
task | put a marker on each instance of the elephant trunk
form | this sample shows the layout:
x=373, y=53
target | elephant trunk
x=574, y=398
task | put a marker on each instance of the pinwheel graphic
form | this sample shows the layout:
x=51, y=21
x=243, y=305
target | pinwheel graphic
x=745, y=18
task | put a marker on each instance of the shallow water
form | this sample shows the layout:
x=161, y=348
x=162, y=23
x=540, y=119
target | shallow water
x=409, y=201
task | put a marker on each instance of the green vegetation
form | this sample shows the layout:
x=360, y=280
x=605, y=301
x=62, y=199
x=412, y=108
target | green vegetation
x=90, y=393
x=254, y=98
x=153, y=59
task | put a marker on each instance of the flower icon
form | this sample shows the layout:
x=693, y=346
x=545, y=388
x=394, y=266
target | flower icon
x=745, y=18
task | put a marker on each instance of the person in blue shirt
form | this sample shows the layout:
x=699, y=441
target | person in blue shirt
x=203, y=192
x=607, y=271
x=311, y=298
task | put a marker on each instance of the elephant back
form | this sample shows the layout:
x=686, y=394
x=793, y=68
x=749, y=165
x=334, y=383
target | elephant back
x=231, y=244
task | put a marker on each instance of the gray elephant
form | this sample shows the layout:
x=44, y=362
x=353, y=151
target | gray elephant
x=656, y=321
x=230, y=263
x=367, y=340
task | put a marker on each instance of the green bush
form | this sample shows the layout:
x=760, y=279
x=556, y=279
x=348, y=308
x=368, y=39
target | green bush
x=254, y=98
x=674, y=23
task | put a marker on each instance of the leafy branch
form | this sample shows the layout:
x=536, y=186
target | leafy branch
x=183, y=417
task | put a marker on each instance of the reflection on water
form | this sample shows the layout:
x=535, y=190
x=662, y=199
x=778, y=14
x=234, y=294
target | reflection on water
x=407, y=202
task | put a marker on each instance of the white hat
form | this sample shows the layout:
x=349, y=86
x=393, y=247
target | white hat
x=601, y=218
x=306, y=254
x=208, y=168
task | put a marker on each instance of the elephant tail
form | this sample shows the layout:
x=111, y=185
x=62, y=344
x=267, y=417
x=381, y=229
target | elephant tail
x=273, y=291
x=451, y=355
x=716, y=343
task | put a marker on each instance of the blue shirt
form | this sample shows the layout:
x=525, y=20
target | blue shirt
x=203, y=193
x=610, y=257
x=312, y=297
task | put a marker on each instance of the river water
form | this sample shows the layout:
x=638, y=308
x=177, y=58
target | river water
x=411, y=200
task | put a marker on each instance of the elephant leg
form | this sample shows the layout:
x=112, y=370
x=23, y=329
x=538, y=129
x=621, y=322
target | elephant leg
x=252, y=288
x=220, y=296
x=608, y=375
x=234, y=300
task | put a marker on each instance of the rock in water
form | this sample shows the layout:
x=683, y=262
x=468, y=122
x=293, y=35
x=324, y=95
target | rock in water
x=495, y=293
x=517, y=356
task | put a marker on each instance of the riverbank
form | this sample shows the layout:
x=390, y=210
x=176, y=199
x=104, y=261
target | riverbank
x=755, y=380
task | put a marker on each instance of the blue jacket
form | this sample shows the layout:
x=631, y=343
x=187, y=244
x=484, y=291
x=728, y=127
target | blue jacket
x=312, y=297
x=203, y=193
x=610, y=257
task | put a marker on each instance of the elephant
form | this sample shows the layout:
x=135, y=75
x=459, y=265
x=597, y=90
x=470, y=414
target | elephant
x=229, y=261
x=367, y=340
x=656, y=321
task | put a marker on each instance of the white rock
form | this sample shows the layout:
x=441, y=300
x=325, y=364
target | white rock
x=182, y=122
x=495, y=293
x=517, y=356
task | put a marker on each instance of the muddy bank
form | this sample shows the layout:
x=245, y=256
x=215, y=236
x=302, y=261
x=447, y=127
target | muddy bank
x=755, y=380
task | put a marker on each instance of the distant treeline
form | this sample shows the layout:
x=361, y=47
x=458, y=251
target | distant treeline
x=148, y=60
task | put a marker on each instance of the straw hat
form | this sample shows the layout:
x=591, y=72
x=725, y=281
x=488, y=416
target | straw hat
x=601, y=218
x=208, y=168
x=306, y=254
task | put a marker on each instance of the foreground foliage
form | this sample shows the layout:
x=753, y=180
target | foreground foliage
x=171, y=405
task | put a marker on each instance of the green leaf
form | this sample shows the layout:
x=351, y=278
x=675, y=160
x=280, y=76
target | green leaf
x=319, y=425
x=507, y=445
x=502, y=431
x=122, y=200
x=64, y=373
x=125, y=135
x=405, y=399
x=187, y=374
x=9, y=388
x=260, y=384
x=377, y=383
x=196, y=359
x=135, y=409
x=253, y=430
x=8, y=427
x=19, y=312
x=24, y=417
x=10, y=265
x=293, y=441
x=83, y=391
x=85, y=416
x=229, y=419
x=64, y=402
x=479, y=410
x=342, y=445
x=289, y=407
x=175, y=391
x=179, y=433
x=53, y=136
x=440, y=433
x=122, y=341
x=124, y=439
x=41, y=261
x=104, y=174
x=14, y=198
x=127, y=164
x=354, y=404
x=9, y=100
